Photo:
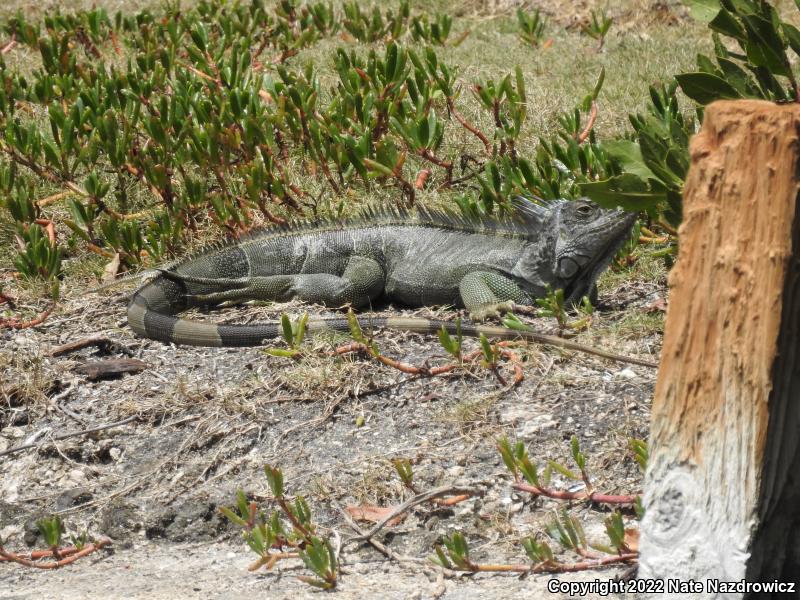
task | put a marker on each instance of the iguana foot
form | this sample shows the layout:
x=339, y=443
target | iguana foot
x=495, y=310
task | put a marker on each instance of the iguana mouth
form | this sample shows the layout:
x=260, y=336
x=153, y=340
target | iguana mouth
x=579, y=286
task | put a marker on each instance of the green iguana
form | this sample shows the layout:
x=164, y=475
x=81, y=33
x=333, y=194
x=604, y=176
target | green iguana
x=419, y=258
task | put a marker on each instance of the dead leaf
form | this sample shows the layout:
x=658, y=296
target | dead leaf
x=111, y=269
x=657, y=305
x=374, y=514
x=632, y=539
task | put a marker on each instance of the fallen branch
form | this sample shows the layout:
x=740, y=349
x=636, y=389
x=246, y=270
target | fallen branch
x=103, y=343
x=53, y=198
x=388, y=552
x=69, y=435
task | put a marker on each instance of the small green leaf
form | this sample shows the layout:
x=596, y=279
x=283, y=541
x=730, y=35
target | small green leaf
x=563, y=470
x=627, y=191
x=486, y=347
x=286, y=326
x=233, y=517
x=704, y=88
x=703, y=10
x=283, y=353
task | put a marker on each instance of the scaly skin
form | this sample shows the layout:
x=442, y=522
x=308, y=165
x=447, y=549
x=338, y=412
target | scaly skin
x=420, y=259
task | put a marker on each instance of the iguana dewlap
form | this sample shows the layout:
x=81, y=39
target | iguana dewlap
x=419, y=258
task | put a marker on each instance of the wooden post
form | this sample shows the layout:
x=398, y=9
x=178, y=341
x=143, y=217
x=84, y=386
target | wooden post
x=722, y=491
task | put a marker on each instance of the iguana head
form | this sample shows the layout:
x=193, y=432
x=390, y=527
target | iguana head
x=578, y=239
x=587, y=239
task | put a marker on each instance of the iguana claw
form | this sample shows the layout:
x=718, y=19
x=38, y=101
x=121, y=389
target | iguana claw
x=491, y=311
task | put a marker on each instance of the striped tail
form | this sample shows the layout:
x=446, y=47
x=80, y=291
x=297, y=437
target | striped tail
x=152, y=310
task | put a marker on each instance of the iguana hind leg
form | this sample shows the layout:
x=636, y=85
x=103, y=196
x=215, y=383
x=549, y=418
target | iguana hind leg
x=362, y=281
x=486, y=294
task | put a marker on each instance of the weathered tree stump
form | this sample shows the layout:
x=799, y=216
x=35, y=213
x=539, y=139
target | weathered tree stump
x=722, y=491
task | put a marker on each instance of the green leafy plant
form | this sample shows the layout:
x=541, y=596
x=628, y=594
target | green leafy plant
x=434, y=30
x=453, y=551
x=640, y=453
x=452, y=345
x=288, y=532
x=531, y=26
x=763, y=68
x=51, y=529
x=39, y=257
x=652, y=169
x=517, y=460
x=293, y=332
x=598, y=27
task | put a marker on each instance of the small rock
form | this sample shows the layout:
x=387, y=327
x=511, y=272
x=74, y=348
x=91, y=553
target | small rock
x=73, y=497
x=77, y=476
x=14, y=432
x=454, y=472
x=625, y=374
x=115, y=454
x=8, y=531
x=31, y=533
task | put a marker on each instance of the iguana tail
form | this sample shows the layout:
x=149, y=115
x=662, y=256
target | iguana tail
x=152, y=310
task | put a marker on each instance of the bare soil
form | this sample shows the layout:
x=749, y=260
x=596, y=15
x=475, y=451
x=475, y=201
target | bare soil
x=208, y=420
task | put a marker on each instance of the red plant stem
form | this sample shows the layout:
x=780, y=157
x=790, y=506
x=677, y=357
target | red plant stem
x=270, y=560
x=432, y=371
x=451, y=501
x=390, y=362
x=39, y=554
x=590, y=123
x=87, y=549
x=10, y=45
x=501, y=568
x=49, y=228
x=422, y=179
x=290, y=515
x=585, y=565
x=469, y=127
x=560, y=495
x=17, y=324
x=431, y=157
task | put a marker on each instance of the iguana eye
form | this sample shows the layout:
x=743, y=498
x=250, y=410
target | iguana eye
x=584, y=210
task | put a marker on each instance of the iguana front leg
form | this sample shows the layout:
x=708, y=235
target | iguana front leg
x=362, y=281
x=487, y=294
